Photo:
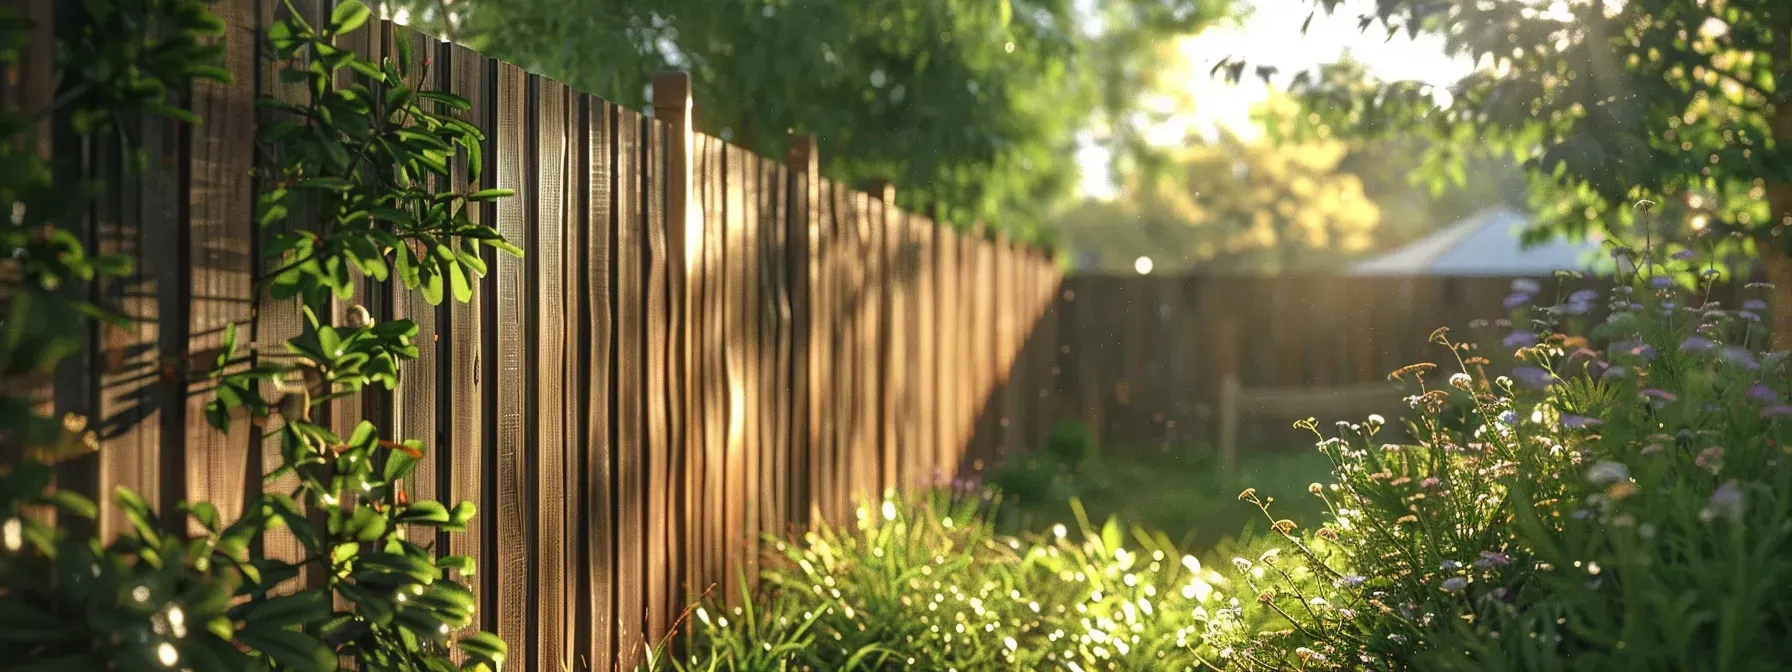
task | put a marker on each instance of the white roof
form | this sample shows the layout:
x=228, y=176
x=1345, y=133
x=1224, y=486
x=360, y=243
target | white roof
x=1485, y=244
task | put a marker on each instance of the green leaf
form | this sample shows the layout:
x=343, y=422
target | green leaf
x=300, y=608
x=292, y=650
x=490, y=194
x=75, y=503
x=366, y=524
x=484, y=647
x=349, y=15
x=424, y=512
x=457, y=276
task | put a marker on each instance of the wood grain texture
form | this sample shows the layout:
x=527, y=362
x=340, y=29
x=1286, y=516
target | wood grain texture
x=801, y=268
x=550, y=276
x=220, y=242
x=462, y=420
x=514, y=374
x=715, y=381
x=662, y=595
x=777, y=384
x=598, y=525
x=751, y=355
x=630, y=393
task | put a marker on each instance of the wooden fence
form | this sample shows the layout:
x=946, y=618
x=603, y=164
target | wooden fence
x=1144, y=356
x=701, y=345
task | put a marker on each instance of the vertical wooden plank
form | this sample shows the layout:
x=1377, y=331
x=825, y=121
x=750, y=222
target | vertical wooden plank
x=882, y=222
x=548, y=467
x=599, y=526
x=835, y=381
x=415, y=416
x=778, y=385
x=631, y=389
x=702, y=494
x=672, y=106
x=927, y=352
x=461, y=423
x=662, y=595
x=514, y=373
x=801, y=259
x=949, y=335
x=714, y=386
x=734, y=347
x=219, y=256
x=750, y=353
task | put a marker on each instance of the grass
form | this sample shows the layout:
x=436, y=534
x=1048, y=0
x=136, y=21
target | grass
x=1180, y=494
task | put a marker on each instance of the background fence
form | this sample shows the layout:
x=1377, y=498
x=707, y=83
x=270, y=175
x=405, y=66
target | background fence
x=1144, y=355
x=700, y=346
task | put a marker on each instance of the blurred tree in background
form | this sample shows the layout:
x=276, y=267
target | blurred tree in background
x=1682, y=103
x=1233, y=206
x=972, y=106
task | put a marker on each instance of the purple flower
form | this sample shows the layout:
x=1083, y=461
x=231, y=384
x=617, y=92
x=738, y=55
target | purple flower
x=1575, y=308
x=1661, y=282
x=1739, y=356
x=1508, y=418
x=1490, y=559
x=1525, y=285
x=1572, y=421
x=1635, y=306
x=1583, y=296
x=1756, y=305
x=1748, y=315
x=1455, y=584
x=1658, y=395
x=1519, y=339
x=1351, y=581
x=1697, y=344
x=1614, y=372
x=1449, y=565
x=1761, y=393
x=1516, y=300
x=1683, y=255
x=1534, y=377
x=1726, y=502
x=1776, y=411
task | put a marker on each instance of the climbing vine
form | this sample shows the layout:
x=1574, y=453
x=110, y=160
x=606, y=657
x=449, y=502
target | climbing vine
x=350, y=178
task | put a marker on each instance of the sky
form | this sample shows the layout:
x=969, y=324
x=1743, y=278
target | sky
x=1271, y=35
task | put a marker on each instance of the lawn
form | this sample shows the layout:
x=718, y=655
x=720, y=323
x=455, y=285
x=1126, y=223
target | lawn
x=1182, y=494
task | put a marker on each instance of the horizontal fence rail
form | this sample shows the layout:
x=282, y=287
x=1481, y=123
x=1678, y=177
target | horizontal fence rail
x=701, y=346
x=1145, y=358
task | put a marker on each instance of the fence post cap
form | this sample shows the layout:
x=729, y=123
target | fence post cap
x=801, y=151
x=671, y=89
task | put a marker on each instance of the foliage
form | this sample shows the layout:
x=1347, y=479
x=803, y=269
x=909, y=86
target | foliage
x=1234, y=205
x=1675, y=101
x=1620, y=501
x=927, y=584
x=968, y=106
x=1180, y=492
x=347, y=181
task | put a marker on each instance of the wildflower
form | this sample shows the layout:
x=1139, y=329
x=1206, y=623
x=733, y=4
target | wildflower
x=1249, y=493
x=1776, y=410
x=1455, y=584
x=1697, y=344
x=1350, y=581
x=1683, y=255
x=1516, y=300
x=1535, y=377
x=1508, y=418
x=1652, y=449
x=1653, y=394
x=1525, y=285
x=1449, y=565
x=1739, y=356
x=1491, y=559
x=1572, y=421
x=1756, y=305
x=1726, y=502
x=1583, y=296
x=1660, y=282
x=1761, y=392
x=1315, y=488
x=1460, y=381
x=1605, y=473
x=1519, y=339
x=1709, y=458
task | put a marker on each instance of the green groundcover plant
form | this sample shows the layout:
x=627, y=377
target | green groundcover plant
x=925, y=583
x=1618, y=502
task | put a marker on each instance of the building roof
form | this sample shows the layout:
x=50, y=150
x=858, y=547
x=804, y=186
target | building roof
x=1484, y=244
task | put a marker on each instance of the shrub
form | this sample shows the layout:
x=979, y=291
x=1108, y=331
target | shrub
x=927, y=584
x=1618, y=502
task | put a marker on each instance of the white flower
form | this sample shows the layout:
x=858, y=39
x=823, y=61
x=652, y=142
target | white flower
x=1604, y=473
x=1460, y=381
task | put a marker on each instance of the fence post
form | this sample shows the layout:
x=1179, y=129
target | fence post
x=805, y=421
x=684, y=227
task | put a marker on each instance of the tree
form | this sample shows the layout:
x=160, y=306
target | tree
x=972, y=107
x=1234, y=206
x=1616, y=107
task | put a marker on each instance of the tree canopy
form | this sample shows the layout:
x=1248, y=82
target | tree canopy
x=972, y=107
x=1672, y=108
